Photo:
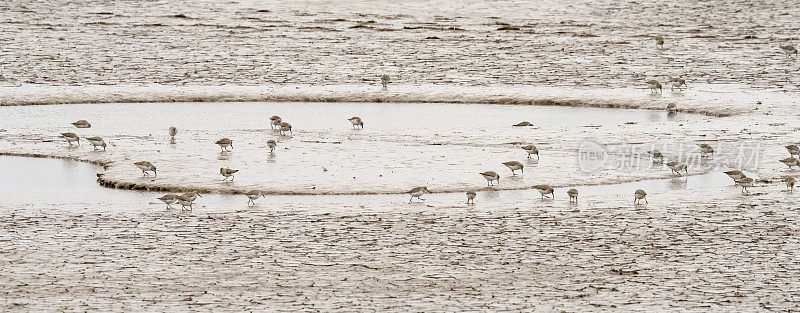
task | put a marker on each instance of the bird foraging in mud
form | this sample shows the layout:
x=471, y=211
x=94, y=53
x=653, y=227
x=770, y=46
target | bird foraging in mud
x=385, y=81
x=97, y=142
x=172, y=132
x=490, y=177
x=531, y=149
x=271, y=144
x=793, y=150
x=677, y=82
x=168, y=199
x=285, y=127
x=192, y=195
x=655, y=86
x=706, y=150
x=659, y=41
x=736, y=175
x=789, y=50
x=677, y=167
x=356, y=121
x=471, y=197
x=638, y=195
x=252, y=195
x=82, y=124
x=71, y=137
x=146, y=166
x=573, y=195
x=417, y=192
x=227, y=173
x=789, y=183
x=224, y=143
x=274, y=121
x=514, y=166
x=791, y=162
x=186, y=201
x=545, y=190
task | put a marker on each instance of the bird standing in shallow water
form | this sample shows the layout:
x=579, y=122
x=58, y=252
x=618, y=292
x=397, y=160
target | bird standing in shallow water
x=677, y=82
x=172, y=132
x=531, y=149
x=638, y=196
x=70, y=137
x=657, y=156
x=97, y=142
x=745, y=182
x=186, y=200
x=672, y=108
x=471, y=197
x=356, y=121
x=655, y=86
x=706, y=149
x=417, y=192
x=252, y=195
x=545, y=190
x=271, y=144
x=168, y=199
x=227, y=173
x=146, y=166
x=274, y=121
x=677, y=167
x=514, y=166
x=659, y=41
x=573, y=195
x=385, y=81
x=490, y=177
x=285, y=127
x=224, y=143
x=82, y=124
x=789, y=183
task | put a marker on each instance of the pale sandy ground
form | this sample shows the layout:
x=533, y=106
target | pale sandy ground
x=701, y=250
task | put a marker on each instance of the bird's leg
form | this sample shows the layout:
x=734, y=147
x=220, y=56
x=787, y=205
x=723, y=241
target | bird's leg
x=645, y=200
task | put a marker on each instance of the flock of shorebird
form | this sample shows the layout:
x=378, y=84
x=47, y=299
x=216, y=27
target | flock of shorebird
x=276, y=122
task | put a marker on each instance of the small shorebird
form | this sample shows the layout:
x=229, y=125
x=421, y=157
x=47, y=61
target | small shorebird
x=227, y=172
x=677, y=167
x=638, y=196
x=356, y=121
x=654, y=86
x=789, y=183
x=793, y=150
x=659, y=41
x=745, y=182
x=146, y=166
x=573, y=195
x=736, y=175
x=706, y=149
x=471, y=197
x=514, y=166
x=789, y=50
x=286, y=127
x=82, y=124
x=224, y=143
x=531, y=149
x=385, y=81
x=172, y=132
x=417, y=192
x=169, y=199
x=252, y=195
x=657, y=156
x=271, y=144
x=97, y=142
x=274, y=121
x=70, y=137
x=545, y=190
x=192, y=195
x=791, y=162
x=185, y=201
x=490, y=177
x=672, y=108
x=677, y=82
